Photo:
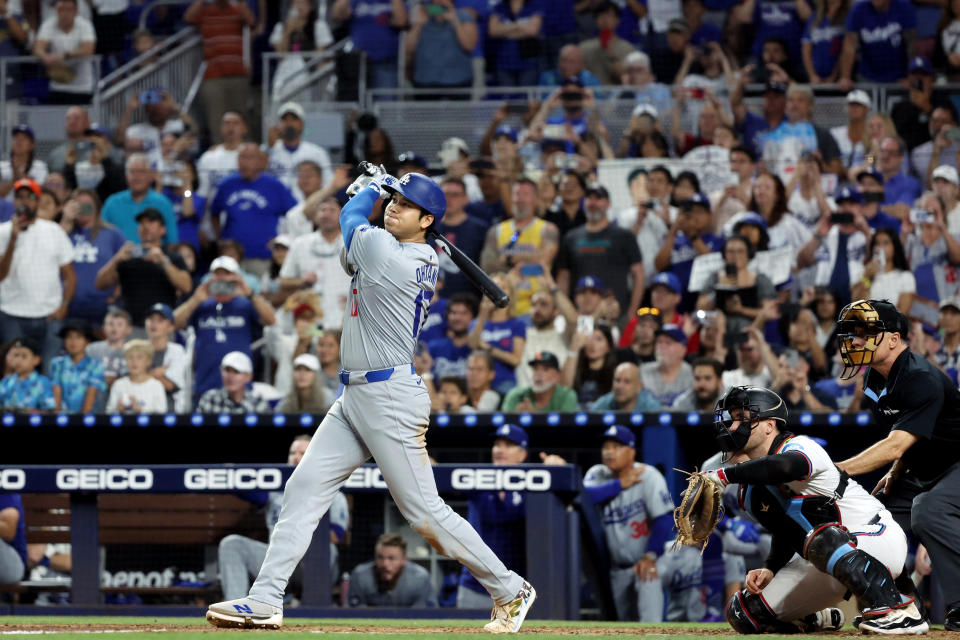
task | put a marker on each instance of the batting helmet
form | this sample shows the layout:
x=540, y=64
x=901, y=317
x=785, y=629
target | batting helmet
x=421, y=191
x=747, y=405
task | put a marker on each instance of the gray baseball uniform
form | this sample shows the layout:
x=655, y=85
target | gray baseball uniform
x=413, y=588
x=240, y=557
x=383, y=412
x=626, y=523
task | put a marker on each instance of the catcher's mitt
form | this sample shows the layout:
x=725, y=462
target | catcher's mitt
x=699, y=512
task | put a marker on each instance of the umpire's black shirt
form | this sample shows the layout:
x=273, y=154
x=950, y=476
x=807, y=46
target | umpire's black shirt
x=920, y=399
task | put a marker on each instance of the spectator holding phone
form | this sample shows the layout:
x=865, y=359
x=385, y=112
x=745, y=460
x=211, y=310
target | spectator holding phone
x=690, y=236
x=933, y=246
x=503, y=336
x=946, y=184
x=869, y=200
x=164, y=116
x=943, y=146
x=887, y=275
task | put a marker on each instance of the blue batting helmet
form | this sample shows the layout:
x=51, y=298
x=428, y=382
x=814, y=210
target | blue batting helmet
x=423, y=192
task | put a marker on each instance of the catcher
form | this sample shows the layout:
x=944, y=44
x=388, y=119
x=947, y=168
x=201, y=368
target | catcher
x=829, y=536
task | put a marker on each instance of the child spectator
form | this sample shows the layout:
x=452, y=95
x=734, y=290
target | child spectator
x=453, y=395
x=503, y=336
x=77, y=378
x=25, y=389
x=138, y=391
x=170, y=365
x=117, y=327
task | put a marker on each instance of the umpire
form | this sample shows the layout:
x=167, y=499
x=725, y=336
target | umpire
x=921, y=407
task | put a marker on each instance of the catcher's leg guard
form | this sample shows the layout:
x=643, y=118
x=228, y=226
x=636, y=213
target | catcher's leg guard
x=748, y=613
x=833, y=550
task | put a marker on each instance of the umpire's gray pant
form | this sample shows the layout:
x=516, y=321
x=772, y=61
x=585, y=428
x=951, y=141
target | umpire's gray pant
x=933, y=515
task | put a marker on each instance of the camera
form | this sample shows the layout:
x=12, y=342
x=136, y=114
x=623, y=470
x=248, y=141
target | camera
x=841, y=217
x=222, y=288
x=873, y=196
x=138, y=251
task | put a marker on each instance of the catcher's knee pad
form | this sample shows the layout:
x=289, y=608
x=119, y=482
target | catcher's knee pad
x=748, y=613
x=833, y=550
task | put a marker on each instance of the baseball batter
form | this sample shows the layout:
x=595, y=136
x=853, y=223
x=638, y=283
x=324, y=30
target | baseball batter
x=637, y=521
x=383, y=411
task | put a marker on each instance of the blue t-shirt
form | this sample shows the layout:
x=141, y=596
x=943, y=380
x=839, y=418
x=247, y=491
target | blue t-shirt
x=561, y=20
x=777, y=19
x=253, y=210
x=751, y=129
x=32, y=392
x=187, y=228
x=883, y=49
x=501, y=335
x=121, y=211
x=487, y=214
x=508, y=50
x=881, y=219
x=901, y=188
x=74, y=378
x=468, y=236
x=19, y=542
x=501, y=524
x=371, y=31
x=6, y=210
x=826, y=41
x=552, y=78
x=89, y=255
x=435, y=326
x=448, y=359
x=706, y=33
x=220, y=331
x=629, y=27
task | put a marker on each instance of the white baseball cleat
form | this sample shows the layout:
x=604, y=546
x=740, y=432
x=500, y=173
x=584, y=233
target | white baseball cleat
x=508, y=617
x=245, y=613
x=829, y=619
x=901, y=621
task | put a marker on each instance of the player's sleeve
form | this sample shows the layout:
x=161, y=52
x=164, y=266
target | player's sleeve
x=780, y=554
x=599, y=486
x=925, y=402
x=368, y=247
x=773, y=469
x=660, y=533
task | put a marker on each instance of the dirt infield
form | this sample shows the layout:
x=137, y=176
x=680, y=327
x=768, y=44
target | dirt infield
x=404, y=629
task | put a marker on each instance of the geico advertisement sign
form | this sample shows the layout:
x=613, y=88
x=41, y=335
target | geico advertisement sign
x=466, y=479
x=242, y=479
x=12, y=479
x=105, y=479
x=500, y=479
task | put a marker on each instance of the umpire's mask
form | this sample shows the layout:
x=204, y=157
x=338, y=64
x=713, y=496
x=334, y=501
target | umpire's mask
x=865, y=321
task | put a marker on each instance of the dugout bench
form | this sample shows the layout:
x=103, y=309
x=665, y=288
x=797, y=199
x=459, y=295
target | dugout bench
x=90, y=505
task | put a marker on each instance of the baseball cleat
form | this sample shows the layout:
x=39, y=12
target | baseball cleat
x=952, y=623
x=508, y=617
x=902, y=621
x=829, y=619
x=245, y=613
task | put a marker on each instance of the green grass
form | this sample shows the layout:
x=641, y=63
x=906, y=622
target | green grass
x=61, y=628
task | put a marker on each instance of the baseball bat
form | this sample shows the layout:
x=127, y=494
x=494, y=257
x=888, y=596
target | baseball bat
x=476, y=275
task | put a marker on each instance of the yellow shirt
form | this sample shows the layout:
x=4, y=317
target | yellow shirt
x=512, y=242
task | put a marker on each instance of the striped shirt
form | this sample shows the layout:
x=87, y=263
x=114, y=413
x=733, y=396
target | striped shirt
x=222, y=30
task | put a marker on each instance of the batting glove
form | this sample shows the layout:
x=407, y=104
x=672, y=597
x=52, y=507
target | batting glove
x=369, y=175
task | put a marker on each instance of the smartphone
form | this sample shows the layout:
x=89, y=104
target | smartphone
x=880, y=258
x=730, y=270
x=696, y=93
x=531, y=270
x=792, y=358
x=953, y=134
x=652, y=203
x=873, y=196
x=151, y=96
x=554, y=132
x=221, y=288
x=138, y=251
x=436, y=9
x=921, y=216
x=585, y=324
x=841, y=217
x=516, y=108
x=706, y=317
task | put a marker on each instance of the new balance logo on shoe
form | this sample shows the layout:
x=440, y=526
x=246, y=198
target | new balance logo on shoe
x=243, y=608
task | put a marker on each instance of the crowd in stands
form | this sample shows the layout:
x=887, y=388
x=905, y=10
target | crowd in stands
x=166, y=263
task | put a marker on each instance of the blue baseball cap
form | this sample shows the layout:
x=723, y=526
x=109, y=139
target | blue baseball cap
x=412, y=157
x=622, y=435
x=920, y=64
x=162, y=309
x=750, y=217
x=672, y=331
x=422, y=191
x=590, y=282
x=24, y=129
x=870, y=173
x=667, y=279
x=697, y=199
x=505, y=130
x=847, y=194
x=514, y=434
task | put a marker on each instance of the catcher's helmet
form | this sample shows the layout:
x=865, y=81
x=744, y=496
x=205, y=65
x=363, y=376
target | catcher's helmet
x=866, y=320
x=423, y=192
x=748, y=405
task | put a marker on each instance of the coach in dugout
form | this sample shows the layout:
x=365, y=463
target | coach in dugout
x=921, y=407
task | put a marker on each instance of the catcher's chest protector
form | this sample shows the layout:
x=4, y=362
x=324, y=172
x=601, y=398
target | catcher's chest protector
x=786, y=515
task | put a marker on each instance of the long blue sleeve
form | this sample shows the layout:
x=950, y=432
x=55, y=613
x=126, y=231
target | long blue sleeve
x=600, y=493
x=356, y=212
x=662, y=532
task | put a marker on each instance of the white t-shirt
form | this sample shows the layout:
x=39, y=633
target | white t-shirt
x=62, y=42
x=313, y=253
x=38, y=171
x=110, y=7
x=32, y=288
x=738, y=378
x=295, y=223
x=213, y=166
x=852, y=155
x=150, y=394
x=151, y=135
x=283, y=164
x=175, y=360
x=321, y=34
x=889, y=285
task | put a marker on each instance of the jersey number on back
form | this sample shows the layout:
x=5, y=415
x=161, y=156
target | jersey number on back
x=422, y=303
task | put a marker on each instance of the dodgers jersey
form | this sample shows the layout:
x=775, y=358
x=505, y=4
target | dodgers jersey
x=628, y=515
x=389, y=298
